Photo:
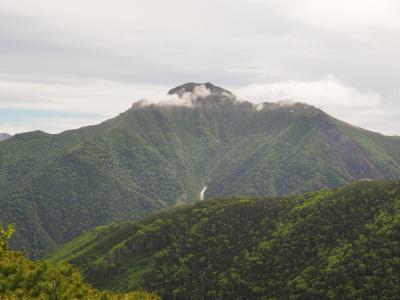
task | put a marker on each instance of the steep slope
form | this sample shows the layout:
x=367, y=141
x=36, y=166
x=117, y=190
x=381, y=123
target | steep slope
x=341, y=244
x=54, y=187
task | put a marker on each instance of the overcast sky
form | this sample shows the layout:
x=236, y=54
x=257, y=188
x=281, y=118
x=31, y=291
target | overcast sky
x=64, y=64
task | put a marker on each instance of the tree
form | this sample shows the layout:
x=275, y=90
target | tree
x=5, y=235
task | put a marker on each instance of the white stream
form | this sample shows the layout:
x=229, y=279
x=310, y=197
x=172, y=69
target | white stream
x=202, y=193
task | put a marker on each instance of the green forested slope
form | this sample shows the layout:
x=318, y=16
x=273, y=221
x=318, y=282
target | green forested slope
x=21, y=278
x=332, y=244
x=54, y=187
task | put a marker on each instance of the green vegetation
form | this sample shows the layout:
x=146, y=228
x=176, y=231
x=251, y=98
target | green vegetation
x=21, y=278
x=5, y=235
x=55, y=187
x=331, y=244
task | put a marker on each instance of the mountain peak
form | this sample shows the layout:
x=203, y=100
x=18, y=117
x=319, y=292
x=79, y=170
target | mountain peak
x=202, y=89
x=202, y=93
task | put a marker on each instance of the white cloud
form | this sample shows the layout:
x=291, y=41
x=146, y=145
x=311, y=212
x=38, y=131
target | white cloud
x=102, y=55
x=105, y=99
x=367, y=109
x=350, y=14
x=158, y=40
x=329, y=92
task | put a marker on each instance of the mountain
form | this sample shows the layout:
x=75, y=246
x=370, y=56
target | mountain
x=331, y=244
x=56, y=186
x=4, y=136
x=21, y=278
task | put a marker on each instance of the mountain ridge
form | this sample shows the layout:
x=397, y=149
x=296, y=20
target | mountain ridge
x=56, y=186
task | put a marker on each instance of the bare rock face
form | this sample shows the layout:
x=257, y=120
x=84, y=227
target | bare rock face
x=348, y=153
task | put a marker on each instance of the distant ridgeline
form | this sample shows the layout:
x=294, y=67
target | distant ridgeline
x=331, y=244
x=55, y=187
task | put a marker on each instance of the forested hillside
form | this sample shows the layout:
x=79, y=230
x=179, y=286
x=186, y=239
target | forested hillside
x=331, y=244
x=21, y=278
x=54, y=187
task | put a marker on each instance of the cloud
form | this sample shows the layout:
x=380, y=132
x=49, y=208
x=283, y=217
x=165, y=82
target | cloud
x=328, y=92
x=349, y=15
x=56, y=58
x=86, y=96
x=367, y=109
x=58, y=105
x=143, y=42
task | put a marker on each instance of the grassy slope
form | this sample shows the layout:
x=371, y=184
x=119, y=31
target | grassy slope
x=329, y=244
x=54, y=187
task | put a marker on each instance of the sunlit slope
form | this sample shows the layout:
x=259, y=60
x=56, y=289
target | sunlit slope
x=342, y=243
x=21, y=278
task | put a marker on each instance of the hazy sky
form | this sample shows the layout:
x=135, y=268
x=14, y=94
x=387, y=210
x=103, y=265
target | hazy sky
x=64, y=64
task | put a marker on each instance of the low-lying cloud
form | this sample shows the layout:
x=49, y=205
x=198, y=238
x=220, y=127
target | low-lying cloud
x=327, y=92
x=105, y=99
x=364, y=108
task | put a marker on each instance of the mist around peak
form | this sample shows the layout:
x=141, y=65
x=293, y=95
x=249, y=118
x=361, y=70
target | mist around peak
x=191, y=94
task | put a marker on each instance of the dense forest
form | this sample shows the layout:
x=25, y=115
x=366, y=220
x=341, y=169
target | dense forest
x=331, y=244
x=57, y=186
x=21, y=278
